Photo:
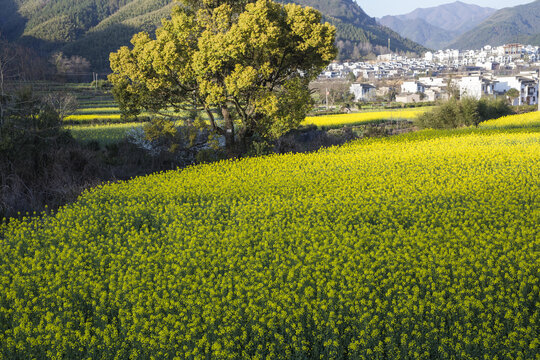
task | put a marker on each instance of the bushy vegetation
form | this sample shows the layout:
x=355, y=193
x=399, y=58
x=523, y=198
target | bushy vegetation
x=43, y=162
x=464, y=112
x=35, y=153
x=420, y=246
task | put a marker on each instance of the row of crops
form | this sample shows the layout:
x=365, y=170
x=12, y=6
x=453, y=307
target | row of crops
x=419, y=246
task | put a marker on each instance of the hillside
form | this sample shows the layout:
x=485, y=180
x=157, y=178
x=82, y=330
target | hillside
x=508, y=25
x=116, y=30
x=94, y=28
x=438, y=26
x=456, y=16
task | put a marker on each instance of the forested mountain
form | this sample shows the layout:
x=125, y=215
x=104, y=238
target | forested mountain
x=89, y=28
x=437, y=27
x=116, y=30
x=516, y=24
x=94, y=28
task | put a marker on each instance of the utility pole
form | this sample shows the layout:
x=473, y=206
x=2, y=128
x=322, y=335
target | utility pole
x=326, y=98
x=95, y=80
x=2, y=94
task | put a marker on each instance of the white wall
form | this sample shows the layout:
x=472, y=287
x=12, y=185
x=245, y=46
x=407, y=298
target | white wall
x=471, y=86
x=411, y=87
x=362, y=93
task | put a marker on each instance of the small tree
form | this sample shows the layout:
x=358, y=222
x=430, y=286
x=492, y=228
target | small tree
x=451, y=88
x=468, y=113
x=392, y=93
x=63, y=103
x=3, y=95
x=252, y=61
x=511, y=95
x=74, y=65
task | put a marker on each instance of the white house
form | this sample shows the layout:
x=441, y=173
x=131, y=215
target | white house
x=330, y=74
x=412, y=87
x=435, y=93
x=475, y=87
x=515, y=51
x=363, y=91
x=433, y=81
x=527, y=87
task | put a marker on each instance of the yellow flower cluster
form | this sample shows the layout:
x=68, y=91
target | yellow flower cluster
x=531, y=119
x=82, y=118
x=363, y=117
x=394, y=248
x=97, y=109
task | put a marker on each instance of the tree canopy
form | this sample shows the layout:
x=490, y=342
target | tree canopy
x=512, y=94
x=250, y=60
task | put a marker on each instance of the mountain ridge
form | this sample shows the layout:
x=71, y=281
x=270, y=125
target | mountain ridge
x=437, y=26
x=512, y=24
x=94, y=28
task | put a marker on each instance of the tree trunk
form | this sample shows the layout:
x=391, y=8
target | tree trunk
x=2, y=94
x=229, y=127
x=243, y=139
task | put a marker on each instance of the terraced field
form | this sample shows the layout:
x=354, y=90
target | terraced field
x=419, y=246
x=99, y=119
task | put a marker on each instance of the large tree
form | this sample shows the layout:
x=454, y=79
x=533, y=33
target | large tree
x=251, y=61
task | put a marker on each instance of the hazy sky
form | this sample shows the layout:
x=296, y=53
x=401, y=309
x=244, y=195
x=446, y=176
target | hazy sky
x=379, y=8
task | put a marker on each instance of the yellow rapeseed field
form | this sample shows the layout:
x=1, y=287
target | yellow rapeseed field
x=412, y=247
x=531, y=119
x=93, y=116
x=363, y=117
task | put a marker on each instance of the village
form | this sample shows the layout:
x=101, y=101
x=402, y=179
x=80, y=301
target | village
x=488, y=72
